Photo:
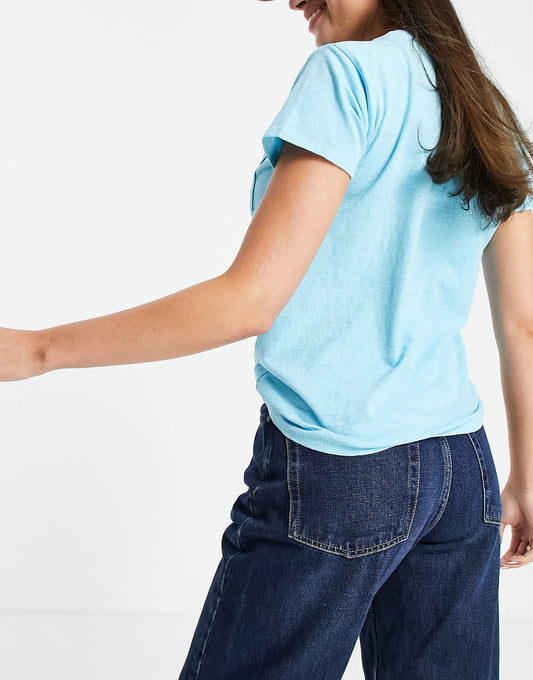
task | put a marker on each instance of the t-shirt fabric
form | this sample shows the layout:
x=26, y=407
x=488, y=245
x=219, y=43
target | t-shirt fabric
x=368, y=352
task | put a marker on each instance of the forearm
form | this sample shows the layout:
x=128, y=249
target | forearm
x=516, y=371
x=207, y=315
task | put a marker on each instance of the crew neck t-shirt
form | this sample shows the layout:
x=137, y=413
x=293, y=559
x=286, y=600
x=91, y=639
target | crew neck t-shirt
x=368, y=352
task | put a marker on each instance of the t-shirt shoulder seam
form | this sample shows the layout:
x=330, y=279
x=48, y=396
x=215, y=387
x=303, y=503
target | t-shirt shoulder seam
x=348, y=56
x=359, y=70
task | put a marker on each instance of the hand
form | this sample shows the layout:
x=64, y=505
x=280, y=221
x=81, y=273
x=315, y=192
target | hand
x=21, y=355
x=517, y=506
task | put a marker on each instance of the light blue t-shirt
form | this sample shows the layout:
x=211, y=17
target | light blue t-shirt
x=368, y=351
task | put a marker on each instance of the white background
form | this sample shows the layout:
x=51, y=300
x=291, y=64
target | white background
x=129, y=134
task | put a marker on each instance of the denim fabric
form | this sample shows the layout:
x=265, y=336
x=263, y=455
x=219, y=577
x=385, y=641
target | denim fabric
x=399, y=548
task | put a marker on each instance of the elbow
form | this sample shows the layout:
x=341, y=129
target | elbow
x=527, y=327
x=263, y=328
x=513, y=336
x=522, y=328
x=261, y=323
x=261, y=310
x=253, y=317
x=264, y=312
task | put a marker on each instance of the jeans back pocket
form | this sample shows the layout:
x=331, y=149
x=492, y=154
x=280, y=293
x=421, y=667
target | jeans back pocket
x=492, y=504
x=352, y=505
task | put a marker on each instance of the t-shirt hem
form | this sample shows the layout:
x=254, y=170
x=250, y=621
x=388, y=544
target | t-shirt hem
x=347, y=448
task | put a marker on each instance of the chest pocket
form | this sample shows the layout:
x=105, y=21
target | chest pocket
x=260, y=182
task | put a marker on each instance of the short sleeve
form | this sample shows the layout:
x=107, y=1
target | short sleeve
x=325, y=112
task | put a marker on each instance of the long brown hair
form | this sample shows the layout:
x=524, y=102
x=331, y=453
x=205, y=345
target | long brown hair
x=482, y=144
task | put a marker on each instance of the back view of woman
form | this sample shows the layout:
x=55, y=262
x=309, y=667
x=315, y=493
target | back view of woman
x=373, y=506
x=394, y=170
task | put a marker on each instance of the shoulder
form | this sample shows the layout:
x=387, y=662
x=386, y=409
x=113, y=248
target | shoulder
x=372, y=56
x=373, y=62
x=332, y=62
x=334, y=55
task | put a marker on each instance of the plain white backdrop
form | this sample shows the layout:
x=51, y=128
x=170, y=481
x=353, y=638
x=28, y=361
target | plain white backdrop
x=129, y=134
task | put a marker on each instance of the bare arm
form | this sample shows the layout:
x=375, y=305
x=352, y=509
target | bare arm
x=301, y=200
x=209, y=314
x=508, y=271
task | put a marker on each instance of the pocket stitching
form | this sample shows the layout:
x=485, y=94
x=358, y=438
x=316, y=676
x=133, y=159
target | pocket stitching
x=447, y=483
x=327, y=547
x=487, y=517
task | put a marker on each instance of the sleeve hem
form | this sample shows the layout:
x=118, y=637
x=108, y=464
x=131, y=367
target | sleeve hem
x=308, y=145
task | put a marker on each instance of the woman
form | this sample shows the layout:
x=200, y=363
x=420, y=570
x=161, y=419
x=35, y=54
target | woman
x=373, y=507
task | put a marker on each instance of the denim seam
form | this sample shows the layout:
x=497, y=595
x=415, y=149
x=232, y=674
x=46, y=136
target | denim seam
x=445, y=448
x=298, y=484
x=327, y=547
x=417, y=465
x=202, y=656
x=221, y=590
x=250, y=504
x=263, y=418
x=376, y=645
x=239, y=532
x=289, y=484
x=487, y=517
x=265, y=467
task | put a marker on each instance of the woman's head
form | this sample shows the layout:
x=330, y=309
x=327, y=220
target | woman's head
x=339, y=20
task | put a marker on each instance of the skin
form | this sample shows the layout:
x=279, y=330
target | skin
x=343, y=19
x=507, y=263
x=285, y=233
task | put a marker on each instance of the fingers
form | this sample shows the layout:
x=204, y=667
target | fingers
x=518, y=555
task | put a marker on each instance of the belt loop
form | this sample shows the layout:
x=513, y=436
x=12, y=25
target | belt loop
x=264, y=414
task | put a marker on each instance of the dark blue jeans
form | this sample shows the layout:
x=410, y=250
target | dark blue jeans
x=399, y=548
